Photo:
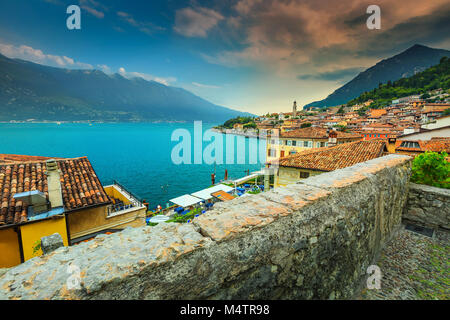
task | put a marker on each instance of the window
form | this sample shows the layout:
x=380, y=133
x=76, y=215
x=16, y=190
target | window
x=305, y=144
x=272, y=153
x=289, y=142
x=294, y=143
x=304, y=175
x=285, y=142
x=310, y=144
x=410, y=144
x=317, y=144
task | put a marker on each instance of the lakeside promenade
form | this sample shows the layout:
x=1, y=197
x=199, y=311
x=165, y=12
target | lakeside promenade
x=246, y=133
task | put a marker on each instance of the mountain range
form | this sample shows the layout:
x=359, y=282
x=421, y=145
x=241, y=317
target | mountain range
x=411, y=61
x=33, y=91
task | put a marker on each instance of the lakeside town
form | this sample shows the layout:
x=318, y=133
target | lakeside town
x=37, y=190
x=350, y=196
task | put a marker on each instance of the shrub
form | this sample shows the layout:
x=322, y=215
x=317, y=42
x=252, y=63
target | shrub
x=305, y=125
x=431, y=168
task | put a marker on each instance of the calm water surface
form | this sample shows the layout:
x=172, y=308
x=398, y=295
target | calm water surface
x=138, y=155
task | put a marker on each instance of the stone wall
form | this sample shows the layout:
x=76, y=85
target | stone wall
x=428, y=206
x=310, y=240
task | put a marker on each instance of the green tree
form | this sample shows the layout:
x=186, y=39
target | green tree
x=305, y=125
x=431, y=168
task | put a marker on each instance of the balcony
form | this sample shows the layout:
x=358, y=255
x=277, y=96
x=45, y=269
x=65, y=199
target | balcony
x=123, y=200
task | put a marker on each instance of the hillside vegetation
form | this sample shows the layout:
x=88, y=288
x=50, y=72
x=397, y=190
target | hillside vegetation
x=435, y=77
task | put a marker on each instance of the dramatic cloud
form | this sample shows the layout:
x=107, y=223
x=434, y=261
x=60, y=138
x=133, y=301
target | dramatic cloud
x=94, y=8
x=35, y=55
x=196, y=22
x=145, y=27
x=337, y=75
x=148, y=77
x=294, y=38
x=104, y=68
x=208, y=86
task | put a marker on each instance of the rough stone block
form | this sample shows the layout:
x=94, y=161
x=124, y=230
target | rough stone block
x=51, y=243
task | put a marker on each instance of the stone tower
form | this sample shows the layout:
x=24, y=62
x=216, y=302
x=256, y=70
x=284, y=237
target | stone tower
x=294, y=109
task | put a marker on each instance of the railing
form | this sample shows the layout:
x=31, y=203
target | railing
x=114, y=208
x=164, y=211
x=129, y=193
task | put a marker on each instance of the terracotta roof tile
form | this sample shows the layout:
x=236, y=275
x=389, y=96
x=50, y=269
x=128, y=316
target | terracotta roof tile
x=316, y=133
x=80, y=186
x=375, y=113
x=337, y=157
x=435, y=144
x=12, y=158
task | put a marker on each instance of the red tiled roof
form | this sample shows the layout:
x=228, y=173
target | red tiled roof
x=80, y=186
x=11, y=158
x=333, y=158
x=435, y=108
x=316, y=133
x=436, y=144
x=375, y=113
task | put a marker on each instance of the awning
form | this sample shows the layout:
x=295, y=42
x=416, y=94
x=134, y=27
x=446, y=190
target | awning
x=185, y=201
x=223, y=196
x=206, y=194
x=246, y=178
x=158, y=219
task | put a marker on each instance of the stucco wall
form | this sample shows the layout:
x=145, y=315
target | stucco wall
x=314, y=239
x=287, y=175
x=92, y=220
x=428, y=206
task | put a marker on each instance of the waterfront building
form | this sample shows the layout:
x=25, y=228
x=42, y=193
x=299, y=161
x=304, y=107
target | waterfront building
x=290, y=142
x=318, y=160
x=42, y=196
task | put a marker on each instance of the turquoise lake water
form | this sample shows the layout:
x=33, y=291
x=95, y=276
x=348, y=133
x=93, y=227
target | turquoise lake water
x=138, y=155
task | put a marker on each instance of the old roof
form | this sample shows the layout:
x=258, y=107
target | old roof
x=12, y=158
x=376, y=113
x=317, y=133
x=337, y=157
x=435, y=108
x=80, y=186
x=436, y=144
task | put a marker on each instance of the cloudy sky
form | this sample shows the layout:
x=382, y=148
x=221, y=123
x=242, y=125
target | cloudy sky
x=251, y=55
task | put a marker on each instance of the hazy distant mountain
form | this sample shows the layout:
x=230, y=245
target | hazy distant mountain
x=413, y=60
x=33, y=91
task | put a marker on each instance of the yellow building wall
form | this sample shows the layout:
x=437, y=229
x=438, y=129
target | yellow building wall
x=93, y=220
x=112, y=192
x=9, y=248
x=288, y=149
x=288, y=175
x=33, y=232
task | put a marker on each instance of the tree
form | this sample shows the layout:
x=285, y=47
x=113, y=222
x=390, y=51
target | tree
x=431, y=168
x=305, y=125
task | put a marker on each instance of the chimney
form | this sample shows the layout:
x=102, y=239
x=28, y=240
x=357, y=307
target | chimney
x=33, y=199
x=332, y=137
x=54, y=184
